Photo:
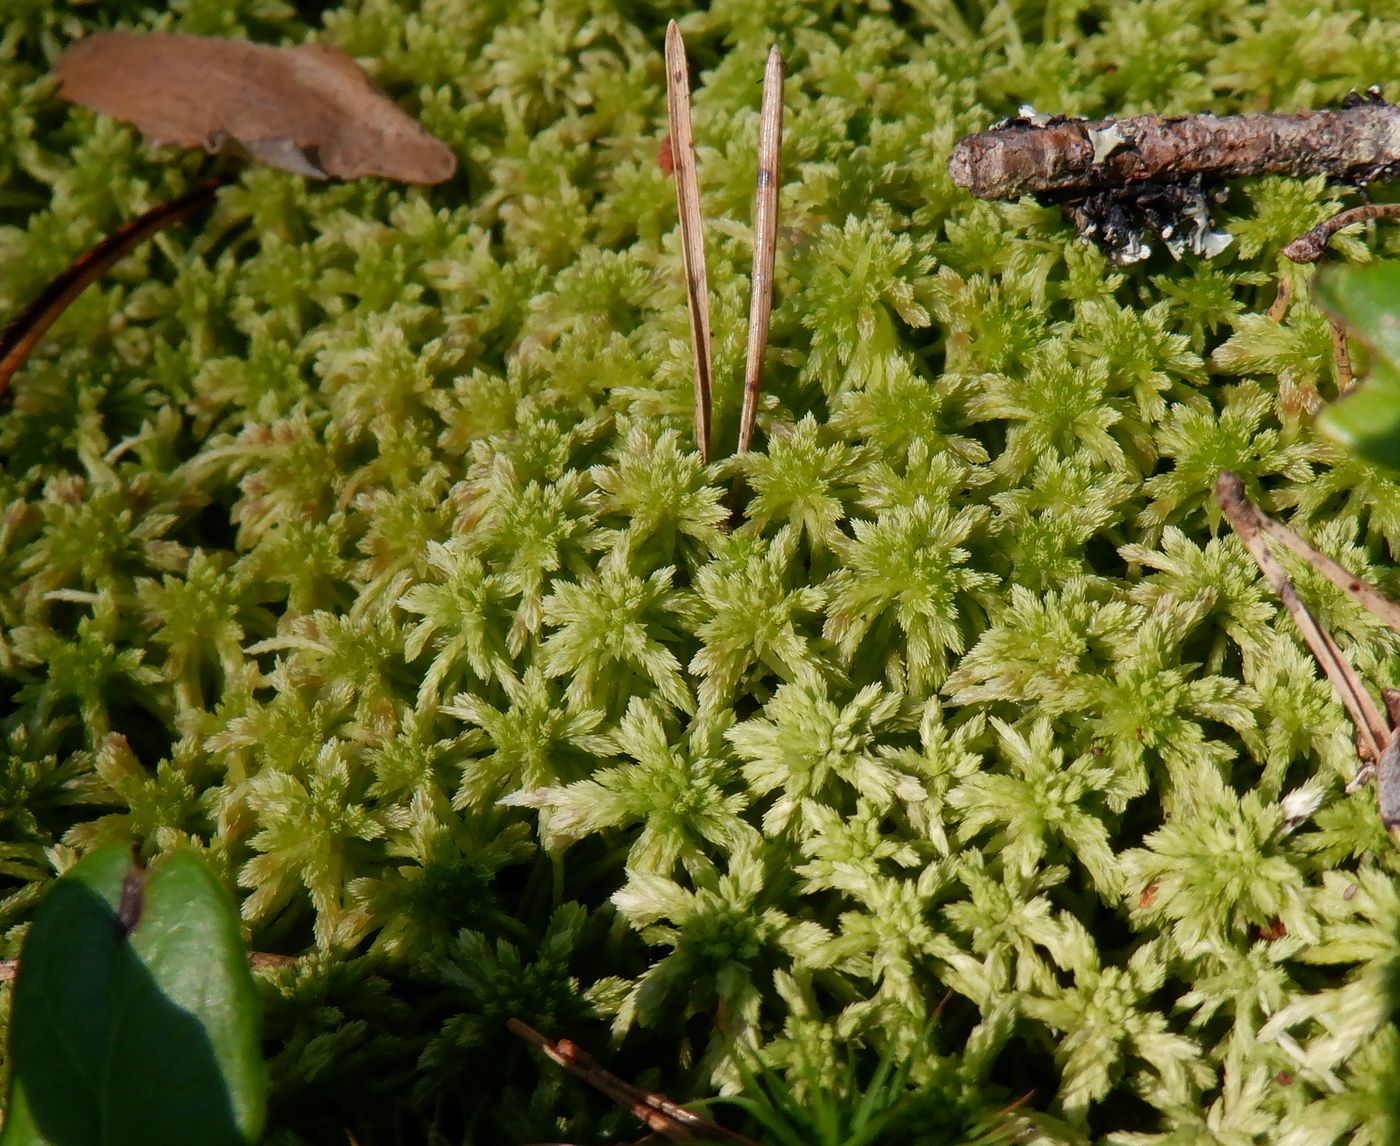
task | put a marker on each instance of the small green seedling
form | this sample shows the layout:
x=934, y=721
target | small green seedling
x=135, y=1016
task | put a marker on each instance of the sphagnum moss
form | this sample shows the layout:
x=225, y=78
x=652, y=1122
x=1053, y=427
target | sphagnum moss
x=354, y=539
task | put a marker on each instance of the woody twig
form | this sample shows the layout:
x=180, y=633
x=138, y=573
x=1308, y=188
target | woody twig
x=1031, y=155
x=1124, y=181
x=1308, y=248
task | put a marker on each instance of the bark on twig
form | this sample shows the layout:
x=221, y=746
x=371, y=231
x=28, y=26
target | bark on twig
x=1308, y=247
x=660, y=1115
x=1025, y=156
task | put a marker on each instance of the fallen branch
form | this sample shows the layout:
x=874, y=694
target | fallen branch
x=1308, y=247
x=660, y=1115
x=1035, y=155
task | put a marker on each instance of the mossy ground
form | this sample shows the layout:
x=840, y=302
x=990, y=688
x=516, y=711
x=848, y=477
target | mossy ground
x=353, y=537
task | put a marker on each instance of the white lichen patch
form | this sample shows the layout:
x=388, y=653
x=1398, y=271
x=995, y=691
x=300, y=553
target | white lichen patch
x=1105, y=141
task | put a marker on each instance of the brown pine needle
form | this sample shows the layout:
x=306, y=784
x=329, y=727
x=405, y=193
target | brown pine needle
x=1247, y=521
x=692, y=229
x=23, y=332
x=1368, y=596
x=659, y=1114
x=765, y=239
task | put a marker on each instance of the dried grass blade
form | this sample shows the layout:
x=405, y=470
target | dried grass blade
x=1247, y=520
x=24, y=331
x=765, y=239
x=692, y=229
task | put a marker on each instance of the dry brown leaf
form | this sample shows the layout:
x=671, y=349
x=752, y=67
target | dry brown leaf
x=308, y=109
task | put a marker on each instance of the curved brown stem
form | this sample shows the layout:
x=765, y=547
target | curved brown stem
x=1308, y=247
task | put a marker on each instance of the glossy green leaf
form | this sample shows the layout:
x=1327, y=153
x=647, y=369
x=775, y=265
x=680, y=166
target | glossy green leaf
x=1367, y=299
x=135, y=1017
x=1367, y=421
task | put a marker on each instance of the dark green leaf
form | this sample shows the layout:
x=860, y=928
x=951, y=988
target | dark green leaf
x=1367, y=301
x=1367, y=421
x=135, y=1017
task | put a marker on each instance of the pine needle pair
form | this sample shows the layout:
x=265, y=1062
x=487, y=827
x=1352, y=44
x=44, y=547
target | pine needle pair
x=1378, y=741
x=765, y=227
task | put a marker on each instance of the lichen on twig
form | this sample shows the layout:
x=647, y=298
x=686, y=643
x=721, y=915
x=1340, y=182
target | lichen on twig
x=1122, y=179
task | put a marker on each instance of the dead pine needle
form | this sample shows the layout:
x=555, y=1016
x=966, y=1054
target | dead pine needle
x=1279, y=307
x=1377, y=743
x=660, y=1115
x=1368, y=596
x=765, y=236
x=692, y=229
x=23, y=332
x=1245, y=519
x=1341, y=356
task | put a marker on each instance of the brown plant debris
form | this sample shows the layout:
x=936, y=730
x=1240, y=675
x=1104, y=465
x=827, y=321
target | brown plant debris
x=22, y=333
x=1308, y=247
x=1359, y=142
x=660, y=1115
x=308, y=109
x=1125, y=179
x=765, y=234
x=1377, y=742
x=697, y=287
